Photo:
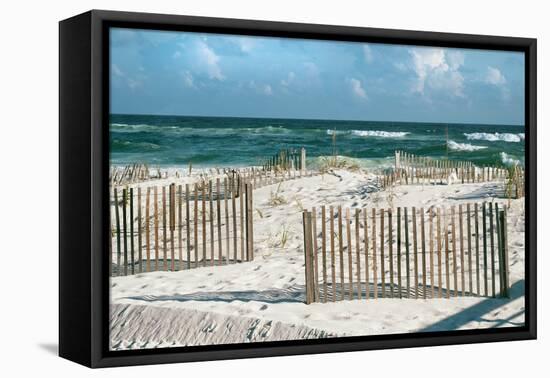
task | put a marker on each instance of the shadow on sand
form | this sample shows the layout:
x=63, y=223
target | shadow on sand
x=477, y=311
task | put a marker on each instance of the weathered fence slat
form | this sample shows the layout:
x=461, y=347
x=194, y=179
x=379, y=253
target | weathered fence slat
x=492, y=239
x=188, y=226
x=171, y=200
x=485, y=275
x=358, y=253
x=431, y=235
x=341, y=252
x=439, y=255
x=332, y=255
x=234, y=217
x=203, y=219
x=139, y=222
x=226, y=209
x=241, y=208
x=147, y=229
x=366, y=247
x=350, y=253
x=196, y=224
x=447, y=253
x=390, y=249
x=164, y=238
x=307, y=256
x=407, y=257
x=315, y=257
x=382, y=258
x=324, y=251
x=476, y=226
x=469, y=233
x=117, y=223
x=374, y=267
x=453, y=235
x=219, y=220
x=399, y=286
x=125, y=229
x=415, y=253
x=211, y=221
x=461, y=235
x=423, y=247
x=180, y=226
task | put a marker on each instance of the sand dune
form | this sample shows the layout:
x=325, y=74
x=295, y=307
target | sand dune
x=270, y=290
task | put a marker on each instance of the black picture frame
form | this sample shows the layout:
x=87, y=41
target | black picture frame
x=84, y=208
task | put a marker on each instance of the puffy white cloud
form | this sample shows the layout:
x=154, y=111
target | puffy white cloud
x=437, y=69
x=357, y=88
x=208, y=57
x=494, y=76
x=367, y=52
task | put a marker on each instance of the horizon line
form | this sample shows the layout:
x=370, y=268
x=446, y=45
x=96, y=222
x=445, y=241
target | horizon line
x=316, y=119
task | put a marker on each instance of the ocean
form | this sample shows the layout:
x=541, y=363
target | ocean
x=169, y=141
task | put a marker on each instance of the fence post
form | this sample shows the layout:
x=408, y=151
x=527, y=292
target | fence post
x=341, y=253
x=241, y=208
x=350, y=253
x=164, y=238
x=397, y=164
x=324, y=251
x=504, y=252
x=139, y=231
x=332, y=255
x=187, y=226
x=307, y=256
x=172, y=203
x=314, y=255
x=249, y=224
x=124, y=228
x=117, y=220
x=147, y=233
x=303, y=159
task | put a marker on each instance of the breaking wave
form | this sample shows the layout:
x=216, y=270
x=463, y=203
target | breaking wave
x=464, y=146
x=496, y=137
x=508, y=160
x=370, y=133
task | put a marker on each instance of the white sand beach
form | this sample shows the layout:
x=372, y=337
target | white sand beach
x=264, y=300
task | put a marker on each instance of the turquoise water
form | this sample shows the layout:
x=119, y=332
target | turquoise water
x=219, y=141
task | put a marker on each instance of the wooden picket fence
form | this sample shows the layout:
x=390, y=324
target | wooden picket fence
x=286, y=159
x=129, y=174
x=178, y=227
x=410, y=169
x=405, y=252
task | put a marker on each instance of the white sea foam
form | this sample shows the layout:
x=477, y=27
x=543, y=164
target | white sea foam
x=370, y=133
x=496, y=137
x=337, y=132
x=380, y=133
x=464, y=146
x=508, y=160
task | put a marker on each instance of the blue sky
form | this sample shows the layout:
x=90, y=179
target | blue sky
x=180, y=73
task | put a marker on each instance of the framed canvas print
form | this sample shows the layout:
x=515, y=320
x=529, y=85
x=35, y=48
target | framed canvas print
x=233, y=188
